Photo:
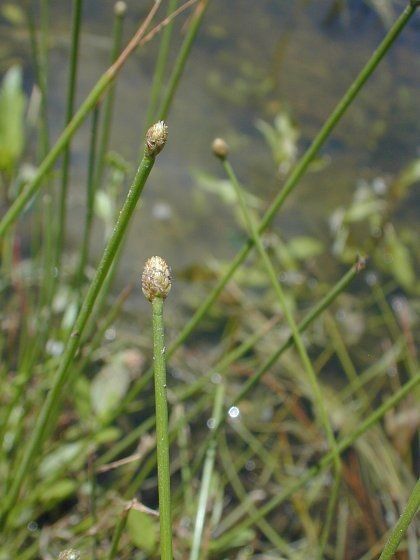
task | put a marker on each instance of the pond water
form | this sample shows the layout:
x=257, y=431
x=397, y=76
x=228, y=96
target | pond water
x=252, y=59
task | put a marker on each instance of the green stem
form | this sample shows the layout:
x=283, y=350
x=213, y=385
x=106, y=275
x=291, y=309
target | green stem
x=256, y=239
x=326, y=461
x=401, y=527
x=90, y=202
x=91, y=100
x=298, y=171
x=323, y=304
x=161, y=62
x=206, y=478
x=71, y=94
x=109, y=101
x=36, y=439
x=164, y=477
x=243, y=496
x=182, y=59
x=119, y=528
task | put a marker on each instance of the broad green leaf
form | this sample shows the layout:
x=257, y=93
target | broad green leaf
x=12, y=106
x=143, y=530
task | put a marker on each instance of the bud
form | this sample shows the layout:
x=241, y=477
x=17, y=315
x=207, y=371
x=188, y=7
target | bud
x=156, y=138
x=220, y=148
x=156, y=279
x=69, y=554
x=120, y=9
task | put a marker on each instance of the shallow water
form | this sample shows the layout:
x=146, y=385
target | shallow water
x=252, y=59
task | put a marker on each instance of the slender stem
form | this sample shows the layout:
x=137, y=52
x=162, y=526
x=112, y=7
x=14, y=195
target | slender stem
x=71, y=94
x=207, y=476
x=298, y=172
x=240, y=491
x=161, y=62
x=109, y=101
x=310, y=372
x=37, y=437
x=91, y=100
x=90, y=202
x=323, y=304
x=329, y=517
x=118, y=531
x=164, y=479
x=401, y=527
x=326, y=460
x=182, y=58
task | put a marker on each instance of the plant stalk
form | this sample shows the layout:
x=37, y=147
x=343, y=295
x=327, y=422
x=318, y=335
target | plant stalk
x=162, y=437
x=401, y=527
x=91, y=100
x=71, y=95
x=298, y=171
x=63, y=373
x=326, y=460
x=207, y=476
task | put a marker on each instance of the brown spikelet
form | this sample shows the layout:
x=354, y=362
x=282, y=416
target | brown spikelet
x=156, y=278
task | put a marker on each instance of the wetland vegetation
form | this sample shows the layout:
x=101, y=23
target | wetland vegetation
x=269, y=152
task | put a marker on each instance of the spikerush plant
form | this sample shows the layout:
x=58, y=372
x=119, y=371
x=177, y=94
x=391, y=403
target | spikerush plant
x=156, y=284
x=156, y=138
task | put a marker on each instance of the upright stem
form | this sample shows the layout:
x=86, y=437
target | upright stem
x=182, y=59
x=164, y=480
x=162, y=59
x=325, y=462
x=52, y=400
x=298, y=171
x=109, y=101
x=91, y=100
x=253, y=231
x=90, y=198
x=207, y=476
x=401, y=527
x=71, y=94
x=306, y=362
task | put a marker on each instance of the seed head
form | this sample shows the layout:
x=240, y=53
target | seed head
x=156, y=279
x=220, y=148
x=69, y=554
x=156, y=138
x=120, y=8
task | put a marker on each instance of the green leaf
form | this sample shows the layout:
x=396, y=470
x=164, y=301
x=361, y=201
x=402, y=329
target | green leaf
x=362, y=209
x=408, y=177
x=13, y=14
x=399, y=259
x=104, y=207
x=223, y=188
x=12, y=106
x=282, y=139
x=143, y=530
x=57, y=491
x=109, y=386
x=64, y=455
x=304, y=247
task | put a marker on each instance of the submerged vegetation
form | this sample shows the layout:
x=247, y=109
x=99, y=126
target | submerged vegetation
x=281, y=419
